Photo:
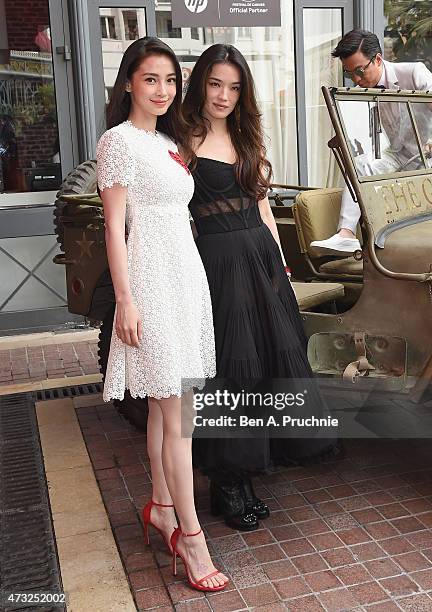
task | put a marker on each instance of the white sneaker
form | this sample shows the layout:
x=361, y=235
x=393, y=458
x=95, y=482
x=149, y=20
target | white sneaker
x=336, y=244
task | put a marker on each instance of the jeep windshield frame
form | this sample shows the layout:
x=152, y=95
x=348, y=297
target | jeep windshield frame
x=388, y=200
x=380, y=97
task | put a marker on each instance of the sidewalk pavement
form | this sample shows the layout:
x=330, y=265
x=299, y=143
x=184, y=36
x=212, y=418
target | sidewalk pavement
x=348, y=535
x=352, y=534
x=65, y=355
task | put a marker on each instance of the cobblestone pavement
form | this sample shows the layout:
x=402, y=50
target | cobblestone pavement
x=34, y=363
x=353, y=534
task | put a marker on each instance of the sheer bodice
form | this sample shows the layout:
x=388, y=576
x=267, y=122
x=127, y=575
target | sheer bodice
x=218, y=203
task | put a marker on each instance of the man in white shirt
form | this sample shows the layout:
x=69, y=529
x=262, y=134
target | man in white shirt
x=361, y=57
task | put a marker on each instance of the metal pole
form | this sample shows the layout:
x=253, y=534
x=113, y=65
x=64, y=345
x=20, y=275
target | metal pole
x=80, y=34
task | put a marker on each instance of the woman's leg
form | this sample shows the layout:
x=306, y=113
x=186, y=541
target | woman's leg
x=163, y=518
x=177, y=467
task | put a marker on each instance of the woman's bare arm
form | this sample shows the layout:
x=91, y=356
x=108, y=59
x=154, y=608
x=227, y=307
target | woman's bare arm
x=127, y=324
x=268, y=218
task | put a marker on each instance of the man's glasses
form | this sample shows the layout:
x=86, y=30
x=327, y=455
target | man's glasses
x=360, y=71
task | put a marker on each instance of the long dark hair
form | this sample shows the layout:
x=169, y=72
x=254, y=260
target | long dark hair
x=253, y=170
x=119, y=106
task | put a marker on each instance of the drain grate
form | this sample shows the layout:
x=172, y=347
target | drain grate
x=73, y=391
x=28, y=557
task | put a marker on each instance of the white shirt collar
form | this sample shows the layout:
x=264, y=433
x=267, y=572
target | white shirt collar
x=383, y=81
x=388, y=76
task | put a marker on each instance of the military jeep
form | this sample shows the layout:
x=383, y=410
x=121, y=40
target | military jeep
x=367, y=315
x=384, y=331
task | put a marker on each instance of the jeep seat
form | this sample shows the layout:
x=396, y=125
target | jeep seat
x=316, y=215
x=310, y=295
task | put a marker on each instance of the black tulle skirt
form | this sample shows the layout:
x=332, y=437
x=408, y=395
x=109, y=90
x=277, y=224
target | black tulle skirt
x=259, y=337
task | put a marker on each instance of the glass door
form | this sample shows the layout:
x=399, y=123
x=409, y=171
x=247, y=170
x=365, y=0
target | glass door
x=36, y=143
x=320, y=26
x=37, y=150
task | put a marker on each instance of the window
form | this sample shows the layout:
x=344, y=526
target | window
x=29, y=138
x=164, y=26
x=245, y=33
x=108, y=28
x=195, y=34
x=208, y=36
x=130, y=25
x=219, y=34
x=271, y=34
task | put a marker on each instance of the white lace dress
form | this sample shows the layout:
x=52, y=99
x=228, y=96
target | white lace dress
x=167, y=278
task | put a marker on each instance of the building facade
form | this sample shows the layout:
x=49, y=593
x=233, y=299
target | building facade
x=58, y=63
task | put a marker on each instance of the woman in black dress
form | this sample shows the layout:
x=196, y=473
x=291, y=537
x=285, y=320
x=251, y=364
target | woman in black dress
x=258, y=330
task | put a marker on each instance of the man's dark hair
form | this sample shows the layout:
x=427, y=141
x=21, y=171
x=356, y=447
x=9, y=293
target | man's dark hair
x=358, y=40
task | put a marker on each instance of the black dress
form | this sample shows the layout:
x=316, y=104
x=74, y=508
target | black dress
x=258, y=329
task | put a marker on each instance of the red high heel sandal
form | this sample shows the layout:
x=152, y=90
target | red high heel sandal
x=147, y=521
x=195, y=585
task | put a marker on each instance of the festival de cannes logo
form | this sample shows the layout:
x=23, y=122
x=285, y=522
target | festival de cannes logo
x=196, y=6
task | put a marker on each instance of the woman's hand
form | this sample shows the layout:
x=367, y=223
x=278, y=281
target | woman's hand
x=128, y=324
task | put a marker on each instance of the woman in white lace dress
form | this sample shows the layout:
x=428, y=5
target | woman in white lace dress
x=162, y=340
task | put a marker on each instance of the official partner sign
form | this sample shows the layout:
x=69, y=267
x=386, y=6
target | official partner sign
x=193, y=13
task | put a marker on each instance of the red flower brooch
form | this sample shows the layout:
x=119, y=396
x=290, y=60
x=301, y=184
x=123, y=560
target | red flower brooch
x=176, y=157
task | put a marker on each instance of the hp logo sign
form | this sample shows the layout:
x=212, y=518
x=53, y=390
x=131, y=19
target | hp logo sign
x=196, y=6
